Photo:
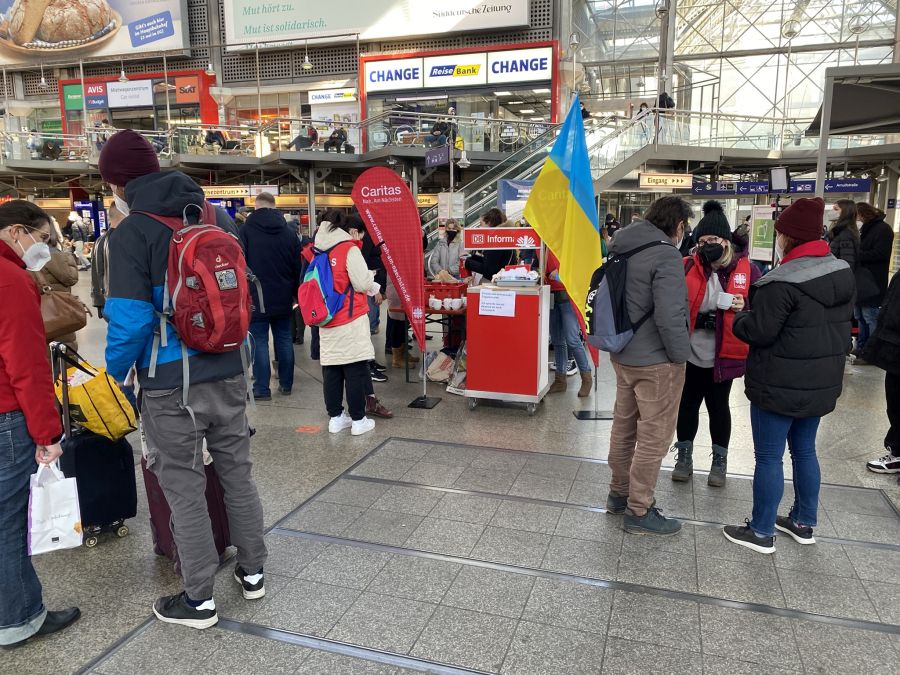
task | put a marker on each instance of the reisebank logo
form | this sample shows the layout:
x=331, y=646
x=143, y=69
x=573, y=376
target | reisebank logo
x=453, y=70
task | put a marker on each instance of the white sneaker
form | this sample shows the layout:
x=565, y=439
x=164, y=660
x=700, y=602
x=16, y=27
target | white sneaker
x=890, y=463
x=362, y=426
x=338, y=424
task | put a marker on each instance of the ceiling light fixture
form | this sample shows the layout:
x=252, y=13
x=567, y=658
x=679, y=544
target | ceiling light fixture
x=541, y=91
x=122, y=76
x=307, y=64
x=525, y=111
x=209, y=70
x=502, y=93
x=43, y=83
x=515, y=102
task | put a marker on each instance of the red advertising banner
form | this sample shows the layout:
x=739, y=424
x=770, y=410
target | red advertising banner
x=389, y=211
x=500, y=237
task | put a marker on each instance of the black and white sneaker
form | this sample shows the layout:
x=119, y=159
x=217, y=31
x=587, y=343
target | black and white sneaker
x=377, y=366
x=378, y=376
x=175, y=609
x=252, y=585
x=800, y=533
x=890, y=463
x=742, y=535
x=572, y=367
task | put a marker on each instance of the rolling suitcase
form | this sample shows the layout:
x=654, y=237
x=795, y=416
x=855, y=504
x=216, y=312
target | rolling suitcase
x=161, y=514
x=104, y=469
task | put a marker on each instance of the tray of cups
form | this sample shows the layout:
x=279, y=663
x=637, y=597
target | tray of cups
x=442, y=290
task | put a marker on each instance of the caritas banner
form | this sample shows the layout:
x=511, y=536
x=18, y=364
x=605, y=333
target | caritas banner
x=389, y=211
x=500, y=237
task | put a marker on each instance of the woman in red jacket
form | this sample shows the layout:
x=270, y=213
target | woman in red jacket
x=29, y=421
x=718, y=277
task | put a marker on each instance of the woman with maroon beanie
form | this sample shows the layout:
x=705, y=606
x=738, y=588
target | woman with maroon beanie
x=799, y=333
x=29, y=420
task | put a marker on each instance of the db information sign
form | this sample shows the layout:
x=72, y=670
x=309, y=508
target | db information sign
x=476, y=238
x=666, y=180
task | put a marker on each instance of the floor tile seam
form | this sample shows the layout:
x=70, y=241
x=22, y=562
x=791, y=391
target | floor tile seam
x=599, y=582
x=593, y=509
x=331, y=646
x=890, y=502
x=116, y=646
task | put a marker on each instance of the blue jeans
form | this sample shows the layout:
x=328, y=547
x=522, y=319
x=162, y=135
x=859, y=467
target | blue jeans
x=565, y=334
x=284, y=353
x=374, y=315
x=867, y=319
x=436, y=141
x=770, y=431
x=22, y=610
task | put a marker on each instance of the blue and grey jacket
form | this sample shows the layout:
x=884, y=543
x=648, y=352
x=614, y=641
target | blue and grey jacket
x=138, y=260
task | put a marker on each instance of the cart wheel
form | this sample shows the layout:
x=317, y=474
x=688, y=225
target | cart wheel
x=90, y=542
x=122, y=531
x=531, y=408
x=473, y=402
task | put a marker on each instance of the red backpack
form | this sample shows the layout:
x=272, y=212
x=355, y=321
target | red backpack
x=206, y=291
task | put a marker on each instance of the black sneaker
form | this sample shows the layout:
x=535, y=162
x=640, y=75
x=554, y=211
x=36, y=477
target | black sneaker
x=53, y=623
x=262, y=397
x=284, y=392
x=742, y=535
x=800, y=533
x=571, y=367
x=616, y=503
x=652, y=522
x=175, y=609
x=890, y=463
x=377, y=366
x=377, y=376
x=252, y=585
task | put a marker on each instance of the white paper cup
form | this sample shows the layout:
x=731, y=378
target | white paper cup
x=448, y=303
x=434, y=303
x=724, y=300
x=456, y=303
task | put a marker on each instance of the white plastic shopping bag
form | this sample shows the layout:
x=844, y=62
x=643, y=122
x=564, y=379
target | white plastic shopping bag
x=54, y=518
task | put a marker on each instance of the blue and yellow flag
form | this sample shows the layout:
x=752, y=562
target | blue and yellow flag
x=561, y=209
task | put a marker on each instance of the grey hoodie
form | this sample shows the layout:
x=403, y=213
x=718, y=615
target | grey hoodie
x=655, y=281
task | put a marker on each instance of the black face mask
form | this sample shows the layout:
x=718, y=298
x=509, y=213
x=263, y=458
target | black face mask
x=451, y=235
x=711, y=252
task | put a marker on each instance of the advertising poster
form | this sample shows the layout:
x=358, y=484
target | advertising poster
x=248, y=22
x=762, y=233
x=32, y=31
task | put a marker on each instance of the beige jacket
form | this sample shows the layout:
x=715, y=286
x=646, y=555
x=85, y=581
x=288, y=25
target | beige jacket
x=351, y=342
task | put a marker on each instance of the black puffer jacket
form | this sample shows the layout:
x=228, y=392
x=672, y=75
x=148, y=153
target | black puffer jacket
x=799, y=333
x=875, y=247
x=883, y=347
x=844, y=245
x=273, y=253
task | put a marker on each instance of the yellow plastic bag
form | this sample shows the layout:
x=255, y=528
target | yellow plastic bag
x=95, y=401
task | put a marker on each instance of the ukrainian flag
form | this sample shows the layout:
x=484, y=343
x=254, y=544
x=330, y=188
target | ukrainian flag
x=561, y=209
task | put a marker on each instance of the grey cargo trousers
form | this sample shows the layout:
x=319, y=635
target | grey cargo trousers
x=220, y=412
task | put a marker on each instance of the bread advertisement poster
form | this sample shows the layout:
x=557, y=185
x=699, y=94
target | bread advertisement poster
x=33, y=31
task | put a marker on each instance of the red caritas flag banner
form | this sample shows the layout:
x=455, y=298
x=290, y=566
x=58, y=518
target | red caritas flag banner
x=389, y=211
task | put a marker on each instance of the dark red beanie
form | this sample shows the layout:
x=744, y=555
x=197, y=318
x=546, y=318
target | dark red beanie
x=125, y=156
x=803, y=220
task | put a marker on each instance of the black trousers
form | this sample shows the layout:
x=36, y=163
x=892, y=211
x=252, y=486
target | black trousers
x=298, y=328
x=395, y=333
x=699, y=387
x=892, y=396
x=355, y=379
x=314, y=343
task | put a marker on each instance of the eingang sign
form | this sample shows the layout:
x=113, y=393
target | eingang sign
x=38, y=31
x=248, y=22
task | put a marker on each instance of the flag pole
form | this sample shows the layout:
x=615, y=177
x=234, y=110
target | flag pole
x=596, y=413
x=423, y=402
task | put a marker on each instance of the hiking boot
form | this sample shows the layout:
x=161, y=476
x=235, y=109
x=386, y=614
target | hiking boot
x=742, y=535
x=374, y=407
x=799, y=533
x=177, y=609
x=253, y=586
x=360, y=427
x=684, y=461
x=559, y=384
x=397, y=354
x=616, y=503
x=53, y=623
x=890, y=463
x=719, y=466
x=587, y=381
x=338, y=424
x=652, y=522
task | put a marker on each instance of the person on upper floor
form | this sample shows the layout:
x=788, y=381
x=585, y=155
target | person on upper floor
x=718, y=276
x=336, y=140
x=492, y=261
x=876, y=245
x=843, y=232
x=272, y=251
x=29, y=420
x=798, y=329
x=443, y=131
x=447, y=252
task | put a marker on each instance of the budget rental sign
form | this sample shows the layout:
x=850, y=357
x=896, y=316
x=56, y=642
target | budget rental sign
x=481, y=238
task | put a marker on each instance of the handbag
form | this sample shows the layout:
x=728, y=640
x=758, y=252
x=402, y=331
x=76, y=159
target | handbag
x=62, y=312
x=54, y=517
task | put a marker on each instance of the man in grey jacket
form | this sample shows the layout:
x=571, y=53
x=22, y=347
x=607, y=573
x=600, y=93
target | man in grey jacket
x=650, y=370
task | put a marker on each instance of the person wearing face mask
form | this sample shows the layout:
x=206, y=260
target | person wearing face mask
x=843, y=232
x=718, y=276
x=447, y=252
x=29, y=420
x=798, y=330
x=650, y=369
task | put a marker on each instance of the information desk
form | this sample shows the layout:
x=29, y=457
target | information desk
x=507, y=338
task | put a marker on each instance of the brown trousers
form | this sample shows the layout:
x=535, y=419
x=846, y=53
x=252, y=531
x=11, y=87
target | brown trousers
x=647, y=399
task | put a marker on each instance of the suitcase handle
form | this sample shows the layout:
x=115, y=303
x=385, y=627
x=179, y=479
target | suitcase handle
x=57, y=350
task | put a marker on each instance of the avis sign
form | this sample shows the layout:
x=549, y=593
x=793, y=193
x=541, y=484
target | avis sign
x=666, y=180
x=500, y=238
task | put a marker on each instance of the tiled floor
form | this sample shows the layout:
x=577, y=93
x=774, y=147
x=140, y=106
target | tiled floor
x=399, y=552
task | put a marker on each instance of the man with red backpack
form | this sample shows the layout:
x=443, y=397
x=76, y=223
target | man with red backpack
x=178, y=309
